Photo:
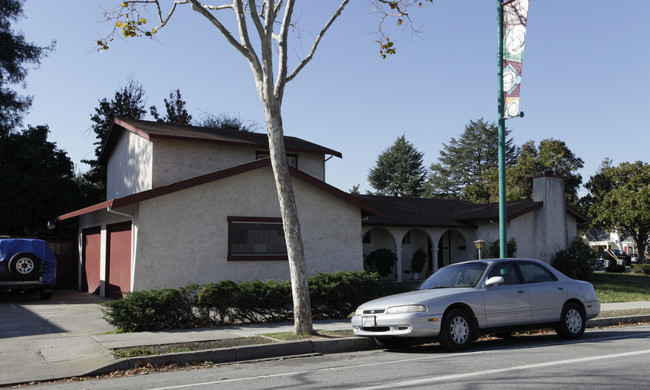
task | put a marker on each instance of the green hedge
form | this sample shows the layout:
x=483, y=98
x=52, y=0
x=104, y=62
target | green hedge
x=333, y=295
x=641, y=269
x=575, y=261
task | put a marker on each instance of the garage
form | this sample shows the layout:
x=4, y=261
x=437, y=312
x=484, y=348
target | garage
x=91, y=260
x=118, y=259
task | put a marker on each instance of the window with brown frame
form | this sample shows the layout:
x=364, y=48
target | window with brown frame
x=292, y=159
x=253, y=238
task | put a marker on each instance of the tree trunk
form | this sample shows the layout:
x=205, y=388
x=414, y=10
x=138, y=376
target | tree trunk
x=290, y=223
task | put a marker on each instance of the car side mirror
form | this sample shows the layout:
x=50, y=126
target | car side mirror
x=494, y=281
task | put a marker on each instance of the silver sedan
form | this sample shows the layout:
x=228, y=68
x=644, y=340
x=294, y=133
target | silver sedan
x=461, y=301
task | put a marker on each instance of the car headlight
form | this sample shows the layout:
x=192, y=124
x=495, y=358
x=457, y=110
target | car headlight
x=406, y=309
x=359, y=311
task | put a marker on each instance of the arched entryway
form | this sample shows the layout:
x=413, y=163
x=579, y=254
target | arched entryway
x=452, y=248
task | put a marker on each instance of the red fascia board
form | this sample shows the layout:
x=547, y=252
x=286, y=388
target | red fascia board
x=86, y=210
x=153, y=193
x=111, y=137
x=263, y=146
x=336, y=192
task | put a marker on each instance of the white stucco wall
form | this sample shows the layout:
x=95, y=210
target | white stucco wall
x=552, y=231
x=129, y=166
x=175, y=160
x=183, y=237
x=525, y=230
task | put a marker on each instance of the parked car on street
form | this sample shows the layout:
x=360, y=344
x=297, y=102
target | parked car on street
x=27, y=265
x=461, y=301
x=618, y=255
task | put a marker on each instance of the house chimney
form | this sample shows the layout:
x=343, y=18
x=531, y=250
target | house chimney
x=551, y=224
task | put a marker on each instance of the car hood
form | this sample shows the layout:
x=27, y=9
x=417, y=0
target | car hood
x=413, y=297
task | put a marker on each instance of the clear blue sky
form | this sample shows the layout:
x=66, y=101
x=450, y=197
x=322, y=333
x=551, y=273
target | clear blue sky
x=585, y=78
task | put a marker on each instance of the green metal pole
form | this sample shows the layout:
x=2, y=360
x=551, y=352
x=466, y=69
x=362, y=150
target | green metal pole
x=503, y=236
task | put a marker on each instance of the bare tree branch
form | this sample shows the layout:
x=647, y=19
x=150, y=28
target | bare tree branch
x=314, y=46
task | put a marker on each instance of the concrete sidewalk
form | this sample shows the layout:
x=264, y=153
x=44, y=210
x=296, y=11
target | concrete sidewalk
x=67, y=336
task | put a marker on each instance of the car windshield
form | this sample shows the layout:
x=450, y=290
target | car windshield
x=453, y=276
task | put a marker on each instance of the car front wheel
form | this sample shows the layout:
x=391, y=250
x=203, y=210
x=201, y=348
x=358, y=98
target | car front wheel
x=457, y=330
x=572, y=321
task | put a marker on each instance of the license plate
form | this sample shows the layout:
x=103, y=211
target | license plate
x=369, y=321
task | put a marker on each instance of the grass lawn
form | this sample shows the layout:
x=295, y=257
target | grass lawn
x=611, y=287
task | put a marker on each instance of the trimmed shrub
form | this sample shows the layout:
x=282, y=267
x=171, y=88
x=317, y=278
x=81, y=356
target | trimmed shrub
x=333, y=295
x=641, y=269
x=215, y=302
x=336, y=295
x=419, y=260
x=380, y=261
x=493, y=250
x=575, y=261
x=268, y=301
x=151, y=310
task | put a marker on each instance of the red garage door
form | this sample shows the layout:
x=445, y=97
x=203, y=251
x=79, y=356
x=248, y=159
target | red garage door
x=118, y=275
x=90, y=266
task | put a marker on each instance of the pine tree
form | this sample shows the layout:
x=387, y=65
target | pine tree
x=463, y=162
x=129, y=103
x=399, y=171
x=15, y=54
x=175, y=108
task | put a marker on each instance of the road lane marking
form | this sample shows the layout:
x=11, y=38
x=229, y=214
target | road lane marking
x=426, y=380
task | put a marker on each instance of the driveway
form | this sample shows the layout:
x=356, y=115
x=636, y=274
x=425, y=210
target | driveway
x=45, y=339
x=67, y=313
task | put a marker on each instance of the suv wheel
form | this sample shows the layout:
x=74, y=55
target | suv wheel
x=24, y=266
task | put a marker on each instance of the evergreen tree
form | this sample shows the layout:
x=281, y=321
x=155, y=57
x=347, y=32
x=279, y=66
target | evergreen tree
x=37, y=183
x=128, y=102
x=15, y=54
x=175, y=108
x=399, y=171
x=464, y=162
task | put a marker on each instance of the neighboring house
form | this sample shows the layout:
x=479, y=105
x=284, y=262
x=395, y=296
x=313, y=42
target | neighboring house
x=193, y=205
x=601, y=240
x=447, y=229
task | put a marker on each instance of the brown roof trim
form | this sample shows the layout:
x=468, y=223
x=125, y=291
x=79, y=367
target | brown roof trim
x=196, y=181
x=151, y=130
x=336, y=192
x=86, y=210
x=533, y=206
x=581, y=217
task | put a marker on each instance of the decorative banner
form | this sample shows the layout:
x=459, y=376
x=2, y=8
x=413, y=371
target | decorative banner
x=515, y=15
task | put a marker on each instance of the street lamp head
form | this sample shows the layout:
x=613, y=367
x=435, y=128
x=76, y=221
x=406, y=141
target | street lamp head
x=480, y=244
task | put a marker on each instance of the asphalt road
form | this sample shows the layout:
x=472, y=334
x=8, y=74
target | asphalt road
x=602, y=359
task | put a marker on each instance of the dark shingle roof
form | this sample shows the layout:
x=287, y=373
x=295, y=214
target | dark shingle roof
x=445, y=213
x=150, y=130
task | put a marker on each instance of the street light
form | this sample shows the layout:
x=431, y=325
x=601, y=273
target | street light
x=480, y=244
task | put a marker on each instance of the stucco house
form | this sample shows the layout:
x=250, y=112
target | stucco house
x=446, y=229
x=194, y=205
x=601, y=240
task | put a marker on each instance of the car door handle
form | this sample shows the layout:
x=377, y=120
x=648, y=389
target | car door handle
x=561, y=288
x=520, y=291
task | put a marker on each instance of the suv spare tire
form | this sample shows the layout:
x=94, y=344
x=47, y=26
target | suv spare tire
x=25, y=266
